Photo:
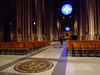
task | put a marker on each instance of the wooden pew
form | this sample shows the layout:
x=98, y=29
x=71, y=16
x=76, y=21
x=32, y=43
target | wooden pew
x=84, y=46
x=69, y=47
x=24, y=47
x=77, y=47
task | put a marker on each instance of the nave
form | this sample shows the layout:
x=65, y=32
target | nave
x=62, y=64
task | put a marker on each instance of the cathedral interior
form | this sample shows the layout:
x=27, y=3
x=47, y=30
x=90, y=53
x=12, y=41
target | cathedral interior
x=30, y=32
x=43, y=20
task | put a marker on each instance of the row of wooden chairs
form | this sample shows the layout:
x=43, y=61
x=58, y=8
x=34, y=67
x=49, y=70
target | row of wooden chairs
x=24, y=47
x=83, y=46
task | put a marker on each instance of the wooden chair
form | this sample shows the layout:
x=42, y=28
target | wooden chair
x=84, y=47
x=27, y=47
x=91, y=47
x=11, y=47
x=69, y=47
x=6, y=47
x=77, y=47
x=36, y=45
x=97, y=48
x=2, y=47
x=21, y=49
x=32, y=46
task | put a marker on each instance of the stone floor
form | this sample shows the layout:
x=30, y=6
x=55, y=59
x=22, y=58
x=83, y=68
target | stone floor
x=55, y=53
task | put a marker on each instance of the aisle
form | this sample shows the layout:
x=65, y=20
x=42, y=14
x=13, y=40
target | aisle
x=59, y=63
x=56, y=56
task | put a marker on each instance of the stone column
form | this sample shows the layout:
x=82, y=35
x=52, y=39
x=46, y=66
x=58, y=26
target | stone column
x=95, y=16
x=75, y=25
x=51, y=21
x=18, y=20
x=23, y=20
x=38, y=19
x=80, y=20
x=29, y=34
x=58, y=27
x=31, y=20
x=55, y=29
x=98, y=18
x=91, y=20
x=87, y=20
x=1, y=20
x=36, y=38
x=48, y=19
x=26, y=21
x=83, y=19
x=45, y=19
x=55, y=33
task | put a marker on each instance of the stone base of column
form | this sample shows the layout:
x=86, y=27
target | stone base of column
x=48, y=38
x=19, y=39
x=31, y=39
x=1, y=40
x=15, y=39
x=35, y=39
x=40, y=39
x=11, y=38
x=91, y=37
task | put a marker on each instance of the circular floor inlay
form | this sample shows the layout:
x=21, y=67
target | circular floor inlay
x=33, y=66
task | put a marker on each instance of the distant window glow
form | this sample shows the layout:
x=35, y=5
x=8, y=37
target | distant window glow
x=67, y=28
x=66, y=9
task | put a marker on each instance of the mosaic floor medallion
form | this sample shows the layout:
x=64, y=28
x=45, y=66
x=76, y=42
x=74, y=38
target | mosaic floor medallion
x=33, y=66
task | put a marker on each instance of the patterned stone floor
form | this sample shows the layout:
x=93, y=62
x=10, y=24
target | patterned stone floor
x=62, y=64
x=33, y=66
